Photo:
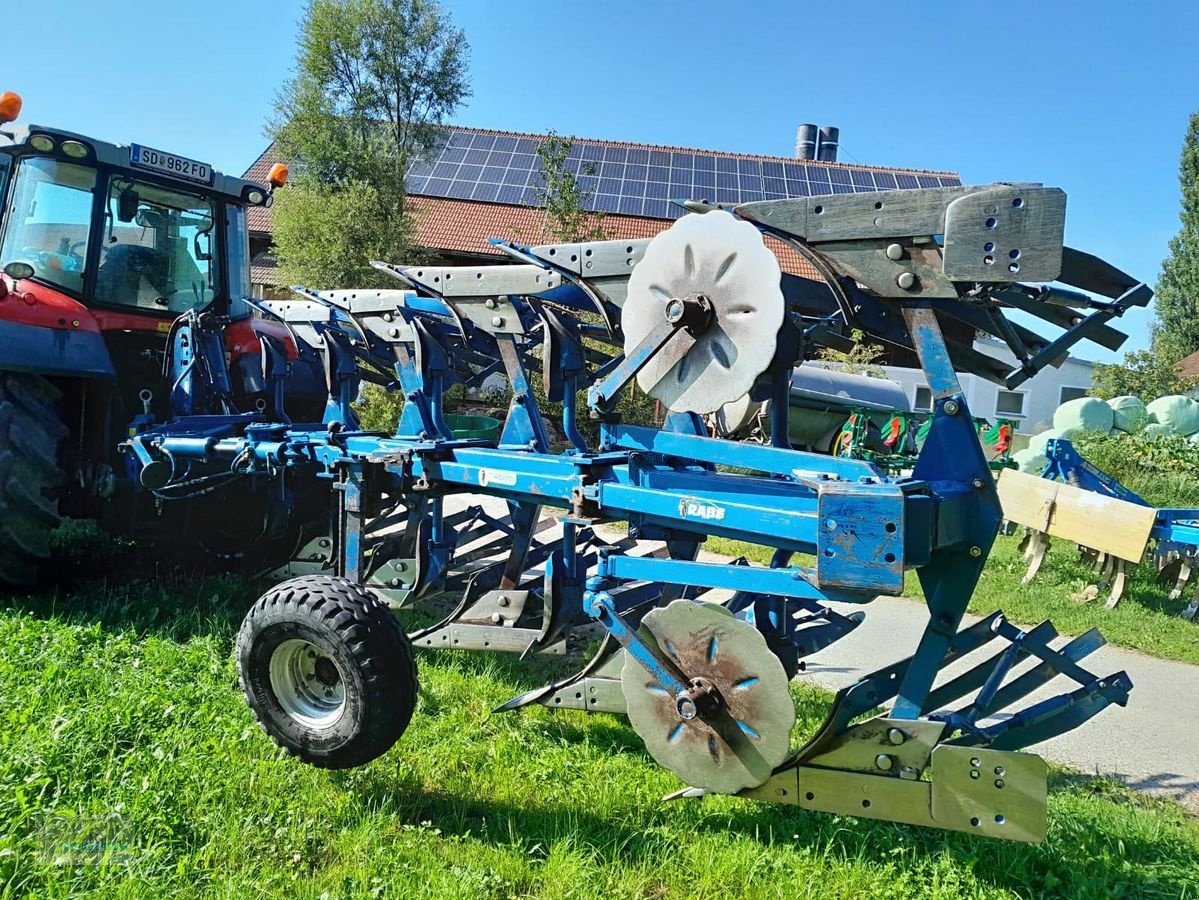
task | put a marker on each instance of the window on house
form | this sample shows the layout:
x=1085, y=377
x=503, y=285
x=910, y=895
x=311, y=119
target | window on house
x=1009, y=403
x=1072, y=393
x=924, y=399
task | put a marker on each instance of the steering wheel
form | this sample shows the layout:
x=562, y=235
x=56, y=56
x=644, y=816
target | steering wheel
x=45, y=260
x=78, y=256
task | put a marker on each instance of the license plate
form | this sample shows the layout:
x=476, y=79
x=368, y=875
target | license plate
x=169, y=164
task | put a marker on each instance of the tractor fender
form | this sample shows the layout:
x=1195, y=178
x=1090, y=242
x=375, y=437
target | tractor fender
x=244, y=349
x=44, y=332
x=245, y=356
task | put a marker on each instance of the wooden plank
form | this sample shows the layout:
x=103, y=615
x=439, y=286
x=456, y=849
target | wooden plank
x=1084, y=517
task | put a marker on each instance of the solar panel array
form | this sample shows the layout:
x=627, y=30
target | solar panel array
x=635, y=181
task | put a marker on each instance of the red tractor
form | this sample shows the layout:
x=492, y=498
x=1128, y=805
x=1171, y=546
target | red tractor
x=104, y=250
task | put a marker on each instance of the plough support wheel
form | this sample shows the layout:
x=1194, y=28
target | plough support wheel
x=327, y=671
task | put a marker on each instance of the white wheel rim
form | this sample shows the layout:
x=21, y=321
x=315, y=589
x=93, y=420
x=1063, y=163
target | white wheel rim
x=307, y=683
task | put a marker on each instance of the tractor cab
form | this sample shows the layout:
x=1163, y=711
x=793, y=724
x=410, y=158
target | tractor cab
x=125, y=230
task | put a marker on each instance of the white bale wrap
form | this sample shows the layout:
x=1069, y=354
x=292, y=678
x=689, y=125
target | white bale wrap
x=1038, y=441
x=1179, y=414
x=1129, y=413
x=1088, y=414
x=1030, y=461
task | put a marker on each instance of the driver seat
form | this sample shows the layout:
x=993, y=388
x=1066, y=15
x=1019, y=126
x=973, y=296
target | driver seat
x=133, y=275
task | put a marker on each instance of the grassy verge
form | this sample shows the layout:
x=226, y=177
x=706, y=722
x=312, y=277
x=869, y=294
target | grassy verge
x=130, y=767
x=1145, y=620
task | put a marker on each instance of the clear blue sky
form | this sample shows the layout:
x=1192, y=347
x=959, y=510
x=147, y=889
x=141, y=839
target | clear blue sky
x=1092, y=96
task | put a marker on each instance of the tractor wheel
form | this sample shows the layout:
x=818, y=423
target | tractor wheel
x=327, y=671
x=30, y=434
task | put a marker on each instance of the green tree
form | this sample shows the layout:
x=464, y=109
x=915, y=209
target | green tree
x=373, y=80
x=567, y=217
x=863, y=359
x=1176, y=332
x=1147, y=374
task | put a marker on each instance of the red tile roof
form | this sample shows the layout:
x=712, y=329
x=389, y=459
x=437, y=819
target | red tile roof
x=1188, y=366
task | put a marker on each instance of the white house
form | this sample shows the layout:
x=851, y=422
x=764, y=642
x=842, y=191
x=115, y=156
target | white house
x=1031, y=405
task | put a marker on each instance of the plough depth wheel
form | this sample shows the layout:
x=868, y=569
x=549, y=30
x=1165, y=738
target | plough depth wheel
x=327, y=670
x=738, y=726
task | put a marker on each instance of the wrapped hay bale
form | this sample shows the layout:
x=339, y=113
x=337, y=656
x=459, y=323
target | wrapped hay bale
x=1153, y=431
x=1038, y=441
x=1030, y=461
x=1179, y=414
x=1088, y=414
x=1128, y=414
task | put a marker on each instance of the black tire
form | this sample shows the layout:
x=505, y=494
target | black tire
x=30, y=433
x=327, y=671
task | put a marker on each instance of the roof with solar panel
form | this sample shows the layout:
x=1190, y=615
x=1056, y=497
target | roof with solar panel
x=478, y=183
x=639, y=179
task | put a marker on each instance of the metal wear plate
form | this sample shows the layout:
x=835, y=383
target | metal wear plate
x=997, y=793
x=1006, y=233
x=495, y=315
x=859, y=538
x=453, y=282
x=879, y=745
x=849, y=794
x=488, y=637
x=594, y=259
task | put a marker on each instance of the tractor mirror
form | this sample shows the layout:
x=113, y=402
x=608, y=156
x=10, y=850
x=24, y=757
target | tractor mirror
x=127, y=202
x=17, y=270
x=148, y=218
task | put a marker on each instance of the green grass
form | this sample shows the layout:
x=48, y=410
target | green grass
x=1144, y=620
x=131, y=767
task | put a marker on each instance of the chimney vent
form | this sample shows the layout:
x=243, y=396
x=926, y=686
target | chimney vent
x=827, y=148
x=805, y=141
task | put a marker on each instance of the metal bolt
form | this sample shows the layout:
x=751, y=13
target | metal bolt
x=496, y=618
x=884, y=762
x=498, y=321
x=951, y=407
x=504, y=601
x=978, y=483
x=976, y=552
x=974, y=774
x=489, y=303
x=388, y=317
x=896, y=736
x=906, y=280
x=909, y=772
x=324, y=542
x=998, y=782
x=894, y=252
x=395, y=582
x=393, y=332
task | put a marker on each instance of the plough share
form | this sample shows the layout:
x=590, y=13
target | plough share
x=698, y=654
